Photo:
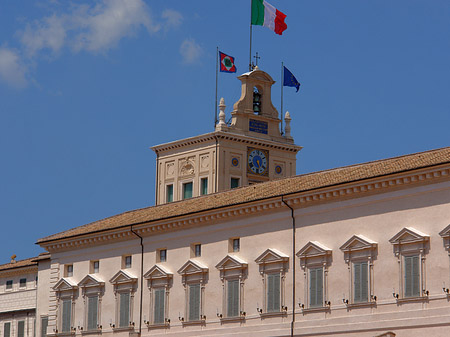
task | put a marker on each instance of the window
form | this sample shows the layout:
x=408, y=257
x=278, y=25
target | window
x=316, y=287
x=23, y=283
x=124, y=310
x=158, y=283
x=410, y=248
x=187, y=190
x=124, y=288
x=127, y=261
x=233, y=298
x=44, y=325
x=196, y=250
x=314, y=260
x=359, y=253
x=92, y=313
x=194, y=302
x=92, y=289
x=20, y=328
x=66, y=315
x=193, y=276
x=95, y=267
x=162, y=255
x=272, y=266
x=235, y=182
x=158, y=306
x=7, y=329
x=68, y=272
x=169, y=193
x=9, y=285
x=235, y=245
x=412, y=276
x=204, y=186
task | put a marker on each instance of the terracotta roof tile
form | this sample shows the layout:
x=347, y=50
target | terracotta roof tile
x=19, y=264
x=300, y=183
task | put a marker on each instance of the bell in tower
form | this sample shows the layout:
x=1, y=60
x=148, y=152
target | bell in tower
x=256, y=101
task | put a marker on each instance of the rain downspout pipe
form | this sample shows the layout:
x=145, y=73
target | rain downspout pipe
x=293, y=265
x=141, y=277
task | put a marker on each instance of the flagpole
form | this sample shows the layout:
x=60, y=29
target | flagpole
x=282, y=85
x=250, y=54
x=217, y=75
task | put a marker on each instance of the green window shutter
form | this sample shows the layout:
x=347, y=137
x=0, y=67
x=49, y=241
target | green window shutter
x=66, y=315
x=124, y=312
x=360, y=282
x=357, y=282
x=316, y=287
x=415, y=274
x=169, y=193
x=364, y=282
x=92, y=312
x=204, y=186
x=273, y=292
x=194, y=302
x=187, y=190
x=21, y=329
x=7, y=329
x=233, y=298
x=412, y=276
x=158, y=317
x=44, y=325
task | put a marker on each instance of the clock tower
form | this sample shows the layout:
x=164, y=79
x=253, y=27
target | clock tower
x=249, y=150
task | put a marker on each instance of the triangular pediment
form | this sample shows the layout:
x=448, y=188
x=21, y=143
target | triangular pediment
x=158, y=272
x=445, y=233
x=409, y=235
x=271, y=255
x=91, y=280
x=66, y=283
x=123, y=276
x=231, y=262
x=358, y=242
x=192, y=267
x=313, y=248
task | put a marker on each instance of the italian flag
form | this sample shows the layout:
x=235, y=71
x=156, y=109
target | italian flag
x=264, y=14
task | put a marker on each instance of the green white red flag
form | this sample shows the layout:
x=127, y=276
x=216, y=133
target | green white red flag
x=264, y=14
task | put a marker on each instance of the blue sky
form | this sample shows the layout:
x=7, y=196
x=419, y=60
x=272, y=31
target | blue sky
x=86, y=87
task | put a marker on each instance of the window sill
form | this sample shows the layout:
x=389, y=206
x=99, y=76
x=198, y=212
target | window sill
x=125, y=328
x=68, y=333
x=91, y=332
x=273, y=314
x=412, y=299
x=232, y=319
x=361, y=305
x=199, y=322
x=318, y=309
x=158, y=326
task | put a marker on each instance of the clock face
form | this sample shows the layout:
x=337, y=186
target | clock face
x=257, y=161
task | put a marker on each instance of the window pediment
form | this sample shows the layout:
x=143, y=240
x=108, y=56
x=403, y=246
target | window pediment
x=231, y=262
x=123, y=277
x=409, y=235
x=91, y=280
x=65, y=284
x=158, y=272
x=314, y=252
x=192, y=267
x=358, y=242
x=271, y=255
x=445, y=234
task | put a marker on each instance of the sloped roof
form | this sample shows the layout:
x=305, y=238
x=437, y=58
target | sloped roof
x=19, y=264
x=300, y=183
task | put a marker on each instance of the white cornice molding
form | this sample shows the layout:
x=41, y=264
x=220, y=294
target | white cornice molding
x=299, y=200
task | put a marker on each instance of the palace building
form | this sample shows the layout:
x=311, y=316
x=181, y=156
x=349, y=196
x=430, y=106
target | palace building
x=238, y=244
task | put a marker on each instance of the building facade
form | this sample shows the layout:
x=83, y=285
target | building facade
x=237, y=244
x=18, y=284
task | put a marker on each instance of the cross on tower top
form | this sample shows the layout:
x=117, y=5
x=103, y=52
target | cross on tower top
x=256, y=57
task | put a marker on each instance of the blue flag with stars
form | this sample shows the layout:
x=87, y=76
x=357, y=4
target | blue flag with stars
x=290, y=80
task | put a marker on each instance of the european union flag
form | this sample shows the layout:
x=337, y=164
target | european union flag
x=290, y=80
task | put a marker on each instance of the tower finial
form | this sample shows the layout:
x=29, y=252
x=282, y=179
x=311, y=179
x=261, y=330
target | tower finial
x=222, y=107
x=287, y=127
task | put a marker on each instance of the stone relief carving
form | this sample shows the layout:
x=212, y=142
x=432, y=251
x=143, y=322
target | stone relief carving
x=204, y=162
x=170, y=169
x=187, y=167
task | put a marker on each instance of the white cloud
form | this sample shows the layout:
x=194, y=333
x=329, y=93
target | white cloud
x=11, y=70
x=172, y=17
x=190, y=51
x=49, y=33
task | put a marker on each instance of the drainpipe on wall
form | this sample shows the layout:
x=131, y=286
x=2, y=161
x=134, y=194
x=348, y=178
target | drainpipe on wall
x=215, y=173
x=293, y=266
x=142, y=278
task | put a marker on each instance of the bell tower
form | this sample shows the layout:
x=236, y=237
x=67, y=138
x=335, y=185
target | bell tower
x=249, y=150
